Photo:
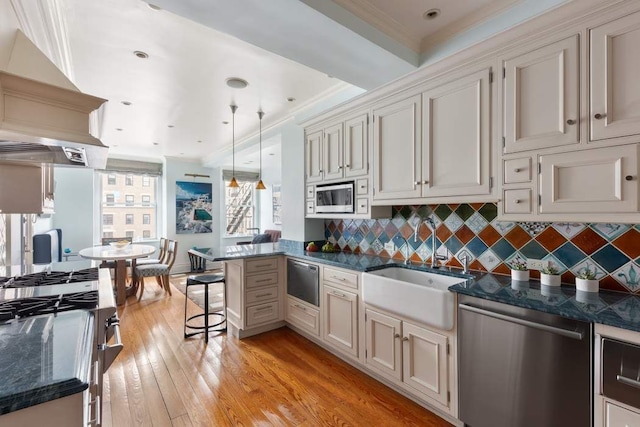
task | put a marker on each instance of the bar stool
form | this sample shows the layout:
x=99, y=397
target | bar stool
x=206, y=280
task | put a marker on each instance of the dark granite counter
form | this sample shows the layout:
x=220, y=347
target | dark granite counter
x=605, y=307
x=44, y=358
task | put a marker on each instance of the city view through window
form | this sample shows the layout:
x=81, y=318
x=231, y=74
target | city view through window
x=128, y=206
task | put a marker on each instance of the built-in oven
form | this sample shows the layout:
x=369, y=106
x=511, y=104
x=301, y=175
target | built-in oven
x=335, y=198
x=303, y=281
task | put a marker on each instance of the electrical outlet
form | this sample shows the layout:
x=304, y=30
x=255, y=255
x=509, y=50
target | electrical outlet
x=537, y=264
x=390, y=247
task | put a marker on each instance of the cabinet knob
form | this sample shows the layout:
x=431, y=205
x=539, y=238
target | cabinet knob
x=396, y=336
x=320, y=171
x=516, y=170
x=339, y=167
x=629, y=177
x=425, y=182
x=516, y=201
x=571, y=122
x=599, y=116
x=347, y=166
x=362, y=187
x=405, y=338
x=417, y=183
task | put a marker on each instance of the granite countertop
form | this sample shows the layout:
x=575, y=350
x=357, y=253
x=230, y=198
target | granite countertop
x=606, y=307
x=44, y=357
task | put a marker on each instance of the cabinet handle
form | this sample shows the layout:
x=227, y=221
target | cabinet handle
x=629, y=177
x=571, y=122
x=599, y=116
x=338, y=294
x=264, y=308
x=301, y=307
x=516, y=201
x=425, y=182
x=405, y=338
x=396, y=336
x=347, y=166
x=263, y=265
x=342, y=279
x=263, y=280
x=339, y=167
x=362, y=206
x=263, y=295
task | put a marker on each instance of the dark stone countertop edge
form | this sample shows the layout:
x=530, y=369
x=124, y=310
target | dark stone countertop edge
x=41, y=395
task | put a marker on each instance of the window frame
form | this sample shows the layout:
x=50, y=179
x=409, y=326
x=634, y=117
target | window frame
x=254, y=208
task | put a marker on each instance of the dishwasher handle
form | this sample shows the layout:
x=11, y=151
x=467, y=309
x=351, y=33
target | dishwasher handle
x=628, y=381
x=552, y=329
x=299, y=264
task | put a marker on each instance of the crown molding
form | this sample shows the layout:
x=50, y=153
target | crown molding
x=42, y=21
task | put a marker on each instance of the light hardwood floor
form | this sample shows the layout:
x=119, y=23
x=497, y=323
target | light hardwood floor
x=277, y=378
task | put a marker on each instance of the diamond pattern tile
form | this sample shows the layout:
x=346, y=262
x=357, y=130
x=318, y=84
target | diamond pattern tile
x=591, y=265
x=473, y=230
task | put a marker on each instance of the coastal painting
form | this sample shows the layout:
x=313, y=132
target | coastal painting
x=193, y=207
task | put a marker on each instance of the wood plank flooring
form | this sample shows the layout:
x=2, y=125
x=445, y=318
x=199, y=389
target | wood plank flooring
x=275, y=379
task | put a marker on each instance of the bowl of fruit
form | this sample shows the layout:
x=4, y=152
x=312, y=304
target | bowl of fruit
x=120, y=244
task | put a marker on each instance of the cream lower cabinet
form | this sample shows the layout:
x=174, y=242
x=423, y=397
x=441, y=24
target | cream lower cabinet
x=617, y=416
x=254, y=289
x=408, y=353
x=340, y=309
x=303, y=315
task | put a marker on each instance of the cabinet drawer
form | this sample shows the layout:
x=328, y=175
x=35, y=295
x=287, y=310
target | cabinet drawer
x=265, y=279
x=362, y=206
x=518, y=201
x=261, y=295
x=362, y=187
x=303, y=316
x=344, y=278
x=261, y=264
x=310, y=207
x=310, y=192
x=517, y=170
x=616, y=416
x=262, y=313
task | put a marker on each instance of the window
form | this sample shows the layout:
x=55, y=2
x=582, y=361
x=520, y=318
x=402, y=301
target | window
x=128, y=210
x=146, y=181
x=107, y=234
x=111, y=179
x=128, y=180
x=239, y=207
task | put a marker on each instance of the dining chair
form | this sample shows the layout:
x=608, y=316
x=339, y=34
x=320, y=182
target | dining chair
x=161, y=270
x=146, y=261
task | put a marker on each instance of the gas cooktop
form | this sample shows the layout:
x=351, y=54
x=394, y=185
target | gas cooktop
x=26, y=307
x=49, y=278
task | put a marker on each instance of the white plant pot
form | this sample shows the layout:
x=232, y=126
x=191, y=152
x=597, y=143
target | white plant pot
x=550, y=279
x=587, y=285
x=520, y=275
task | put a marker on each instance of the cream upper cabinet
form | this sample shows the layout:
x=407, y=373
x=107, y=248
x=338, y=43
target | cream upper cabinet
x=614, y=88
x=313, y=156
x=541, y=97
x=456, y=128
x=356, y=150
x=26, y=188
x=601, y=180
x=397, y=149
x=332, y=152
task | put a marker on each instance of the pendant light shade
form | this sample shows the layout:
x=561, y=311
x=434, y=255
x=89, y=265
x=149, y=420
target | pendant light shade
x=233, y=183
x=260, y=184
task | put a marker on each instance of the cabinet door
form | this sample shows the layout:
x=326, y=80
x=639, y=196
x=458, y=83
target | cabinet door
x=234, y=277
x=397, y=150
x=424, y=360
x=456, y=148
x=615, y=93
x=332, y=153
x=303, y=316
x=341, y=319
x=356, y=147
x=616, y=416
x=602, y=180
x=313, y=154
x=541, y=95
x=384, y=348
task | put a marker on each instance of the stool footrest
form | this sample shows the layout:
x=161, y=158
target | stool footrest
x=202, y=328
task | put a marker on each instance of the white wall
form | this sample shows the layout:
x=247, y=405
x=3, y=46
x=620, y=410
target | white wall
x=174, y=170
x=271, y=175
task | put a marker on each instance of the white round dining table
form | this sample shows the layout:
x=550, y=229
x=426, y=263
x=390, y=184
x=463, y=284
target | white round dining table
x=120, y=256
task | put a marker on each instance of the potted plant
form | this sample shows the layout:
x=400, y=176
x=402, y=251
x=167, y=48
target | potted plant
x=519, y=270
x=549, y=276
x=586, y=281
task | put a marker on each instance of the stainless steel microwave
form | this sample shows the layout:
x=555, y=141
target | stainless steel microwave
x=335, y=198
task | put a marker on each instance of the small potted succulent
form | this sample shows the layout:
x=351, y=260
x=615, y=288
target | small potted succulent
x=519, y=270
x=586, y=281
x=549, y=276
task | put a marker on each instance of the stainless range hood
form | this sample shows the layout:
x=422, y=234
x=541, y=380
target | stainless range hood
x=46, y=123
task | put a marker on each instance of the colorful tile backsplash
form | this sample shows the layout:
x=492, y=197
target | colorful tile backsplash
x=612, y=250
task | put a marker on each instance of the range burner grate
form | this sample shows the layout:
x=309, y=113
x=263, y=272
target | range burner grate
x=15, y=309
x=49, y=278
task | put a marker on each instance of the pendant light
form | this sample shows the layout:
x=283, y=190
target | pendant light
x=260, y=184
x=233, y=183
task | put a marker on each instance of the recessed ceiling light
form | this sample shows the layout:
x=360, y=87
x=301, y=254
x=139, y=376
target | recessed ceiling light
x=170, y=126
x=271, y=154
x=155, y=143
x=237, y=83
x=126, y=102
x=153, y=6
x=119, y=129
x=224, y=122
x=291, y=99
x=140, y=54
x=199, y=142
x=181, y=154
x=431, y=14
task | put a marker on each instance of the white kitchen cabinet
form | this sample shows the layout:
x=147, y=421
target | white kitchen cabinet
x=332, y=153
x=356, y=146
x=541, y=97
x=340, y=309
x=313, y=156
x=614, y=89
x=602, y=180
x=26, y=188
x=303, y=315
x=410, y=354
x=617, y=416
x=397, y=149
x=456, y=149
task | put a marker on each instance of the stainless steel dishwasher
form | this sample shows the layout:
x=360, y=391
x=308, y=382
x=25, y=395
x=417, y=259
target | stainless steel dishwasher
x=303, y=281
x=521, y=367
